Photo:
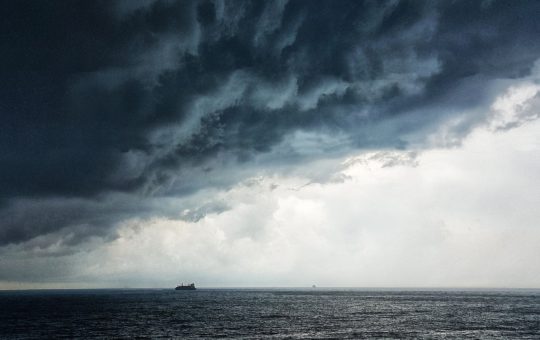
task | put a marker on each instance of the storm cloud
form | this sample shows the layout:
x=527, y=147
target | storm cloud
x=119, y=110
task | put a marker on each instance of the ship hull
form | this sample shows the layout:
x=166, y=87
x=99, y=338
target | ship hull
x=185, y=287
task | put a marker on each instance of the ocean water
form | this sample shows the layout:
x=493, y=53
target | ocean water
x=270, y=313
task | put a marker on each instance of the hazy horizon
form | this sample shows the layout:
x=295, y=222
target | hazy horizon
x=306, y=288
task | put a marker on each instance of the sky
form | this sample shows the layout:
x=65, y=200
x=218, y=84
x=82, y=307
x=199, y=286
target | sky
x=269, y=143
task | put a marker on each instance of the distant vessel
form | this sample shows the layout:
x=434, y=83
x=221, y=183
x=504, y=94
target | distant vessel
x=190, y=286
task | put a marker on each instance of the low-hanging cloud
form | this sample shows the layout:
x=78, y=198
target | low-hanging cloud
x=109, y=107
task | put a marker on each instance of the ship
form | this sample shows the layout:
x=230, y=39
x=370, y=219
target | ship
x=190, y=286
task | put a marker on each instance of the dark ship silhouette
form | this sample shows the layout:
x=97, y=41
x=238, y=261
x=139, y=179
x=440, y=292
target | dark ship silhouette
x=190, y=286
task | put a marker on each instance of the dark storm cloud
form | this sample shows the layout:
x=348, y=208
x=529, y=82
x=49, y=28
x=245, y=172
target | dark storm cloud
x=167, y=97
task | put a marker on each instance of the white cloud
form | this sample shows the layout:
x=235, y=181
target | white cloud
x=519, y=104
x=452, y=217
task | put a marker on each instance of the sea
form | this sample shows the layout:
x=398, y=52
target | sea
x=313, y=313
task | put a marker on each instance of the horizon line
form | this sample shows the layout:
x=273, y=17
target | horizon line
x=380, y=288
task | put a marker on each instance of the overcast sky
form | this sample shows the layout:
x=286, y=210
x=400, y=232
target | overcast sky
x=269, y=143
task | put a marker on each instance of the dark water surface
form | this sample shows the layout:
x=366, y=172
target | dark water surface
x=272, y=313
